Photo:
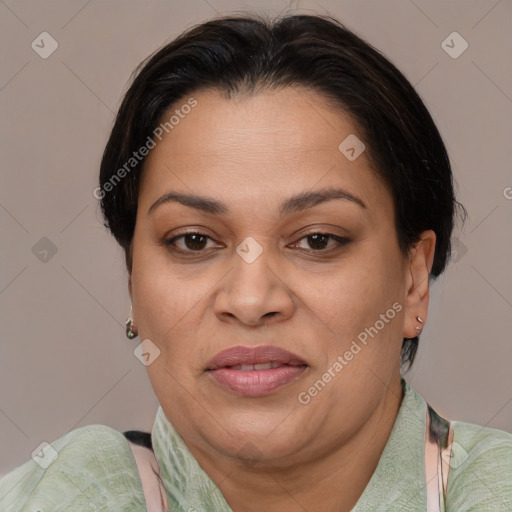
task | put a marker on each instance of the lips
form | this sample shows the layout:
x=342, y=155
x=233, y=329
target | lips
x=255, y=371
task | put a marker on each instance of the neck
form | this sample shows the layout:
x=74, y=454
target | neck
x=333, y=481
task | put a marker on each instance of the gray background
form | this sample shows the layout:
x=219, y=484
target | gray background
x=64, y=360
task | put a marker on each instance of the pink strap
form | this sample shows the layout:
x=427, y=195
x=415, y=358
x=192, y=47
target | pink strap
x=149, y=472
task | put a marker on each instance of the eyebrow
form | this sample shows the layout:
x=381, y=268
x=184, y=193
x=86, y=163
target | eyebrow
x=291, y=205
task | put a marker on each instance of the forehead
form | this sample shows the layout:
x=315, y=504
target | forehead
x=274, y=142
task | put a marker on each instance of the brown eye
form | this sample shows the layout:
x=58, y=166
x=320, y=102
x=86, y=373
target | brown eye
x=195, y=242
x=321, y=242
x=318, y=241
x=188, y=242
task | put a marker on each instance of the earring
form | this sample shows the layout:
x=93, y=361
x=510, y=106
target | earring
x=418, y=328
x=130, y=333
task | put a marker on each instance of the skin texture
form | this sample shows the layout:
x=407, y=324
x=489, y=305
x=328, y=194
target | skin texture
x=313, y=298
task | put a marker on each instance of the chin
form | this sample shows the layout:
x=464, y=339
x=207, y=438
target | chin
x=270, y=436
x=262, y=452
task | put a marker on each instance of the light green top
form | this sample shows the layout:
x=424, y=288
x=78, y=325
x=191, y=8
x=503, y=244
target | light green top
x=95, y=470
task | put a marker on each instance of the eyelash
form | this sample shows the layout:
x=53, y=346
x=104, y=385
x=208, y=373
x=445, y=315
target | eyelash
x=341, y=241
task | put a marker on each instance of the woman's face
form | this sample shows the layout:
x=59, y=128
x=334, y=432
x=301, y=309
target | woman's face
x=275, y=250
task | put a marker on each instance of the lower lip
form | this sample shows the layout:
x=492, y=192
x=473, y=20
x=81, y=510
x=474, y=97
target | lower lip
x=255, y=383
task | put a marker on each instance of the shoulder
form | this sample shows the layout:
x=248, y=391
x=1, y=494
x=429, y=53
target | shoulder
x=480, y=469
x=90, y=467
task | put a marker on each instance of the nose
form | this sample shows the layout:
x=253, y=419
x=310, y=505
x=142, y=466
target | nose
x=254, y=294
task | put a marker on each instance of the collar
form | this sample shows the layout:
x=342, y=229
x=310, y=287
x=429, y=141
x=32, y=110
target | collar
x=398, y=482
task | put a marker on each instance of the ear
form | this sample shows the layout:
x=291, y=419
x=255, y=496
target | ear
x=130, y=286
x=418, y=267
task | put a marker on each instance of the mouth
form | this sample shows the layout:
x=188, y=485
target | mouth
x=255, y=371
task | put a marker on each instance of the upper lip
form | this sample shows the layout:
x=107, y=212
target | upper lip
x=253, y=355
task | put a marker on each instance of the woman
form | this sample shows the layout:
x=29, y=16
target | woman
x=283, y=199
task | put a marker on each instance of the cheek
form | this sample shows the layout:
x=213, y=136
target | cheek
x=358, y=290
x=164, y=303
x=170, y=307
x=155, y=297
x=362, y=304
